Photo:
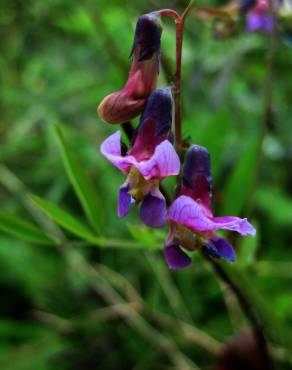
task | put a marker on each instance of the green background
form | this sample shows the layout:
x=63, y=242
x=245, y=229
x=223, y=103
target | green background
x=99, y=296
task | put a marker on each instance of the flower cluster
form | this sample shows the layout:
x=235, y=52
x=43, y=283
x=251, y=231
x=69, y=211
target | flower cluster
x=259, y=15
x=152, y=158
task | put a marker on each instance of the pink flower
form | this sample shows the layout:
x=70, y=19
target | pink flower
x=260, y=18
x=151, y=159
x=123, y=105
x=192, y=224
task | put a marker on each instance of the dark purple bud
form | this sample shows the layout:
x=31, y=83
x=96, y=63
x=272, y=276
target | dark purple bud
x=197, y=162
x=155, y=124
x=147, y=36
x=197, y=179
x=159, y=109
x=220, y=248
x=246, y=5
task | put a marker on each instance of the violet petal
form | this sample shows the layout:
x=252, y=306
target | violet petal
x=175, y=257
x=153, y=210
x=220, y=248
x=124, y=202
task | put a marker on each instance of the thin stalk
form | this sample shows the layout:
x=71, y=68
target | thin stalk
x=249, y=311
x=177, y=86
x=267, y=113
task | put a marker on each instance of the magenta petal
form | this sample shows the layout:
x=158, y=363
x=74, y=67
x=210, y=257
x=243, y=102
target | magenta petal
x=220, y=248
x=124, y=202
x=153, y=210
x=111, y=149
x=175, y=257
x=185, y=211
x=164, y=162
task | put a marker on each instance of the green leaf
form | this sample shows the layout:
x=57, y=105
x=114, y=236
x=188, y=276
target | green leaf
x=64, y=219
x=81, y=183
x=23, y=229
x=214, y=136
x=240, y=181
x=275, y=204
x=150, y=238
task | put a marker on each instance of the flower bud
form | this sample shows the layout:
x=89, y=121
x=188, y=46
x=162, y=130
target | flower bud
x=155, y=124
x=123, y=105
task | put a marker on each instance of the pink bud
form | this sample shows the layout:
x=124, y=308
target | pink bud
x=125, y=104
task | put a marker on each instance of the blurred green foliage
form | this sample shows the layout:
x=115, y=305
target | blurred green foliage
x=82, y=289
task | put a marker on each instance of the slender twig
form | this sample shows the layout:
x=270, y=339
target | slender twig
x=267, y=114
x=130, y=315
x=248, y=310
x=179, y=21
x=188, y=331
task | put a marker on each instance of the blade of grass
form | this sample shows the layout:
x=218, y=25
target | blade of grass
x=80, y=182
x=16, y=226
x=64, y=219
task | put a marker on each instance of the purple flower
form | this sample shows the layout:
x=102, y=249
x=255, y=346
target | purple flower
x=151, y=158
x=192, y=224
x=259, y=17
x=123, y=105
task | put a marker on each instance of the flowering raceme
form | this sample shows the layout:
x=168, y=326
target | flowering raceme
x=259, y=17
x=151, y=158
x=192, y=224
x=123, y=105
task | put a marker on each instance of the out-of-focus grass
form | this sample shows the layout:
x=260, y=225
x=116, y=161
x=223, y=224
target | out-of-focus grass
x=73, y=305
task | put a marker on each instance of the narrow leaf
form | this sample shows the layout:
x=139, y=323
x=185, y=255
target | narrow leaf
x=64, y=219
x=81, y=183
x=240, y=181
x=23, y=229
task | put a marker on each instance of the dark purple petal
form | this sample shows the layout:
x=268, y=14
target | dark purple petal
x=124, y=202
x=147, y=36
x=189, y=213
x=246, y=5
x=153, y=210
x=220, y=248
x=155, y=123
x=197, y=179
x=268, y=23
x=175, y=257
x=164, y=162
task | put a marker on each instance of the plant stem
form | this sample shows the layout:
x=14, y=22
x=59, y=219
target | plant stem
x=255, y=322
x=179, y=21
x=177, y=85
x=267, y=114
